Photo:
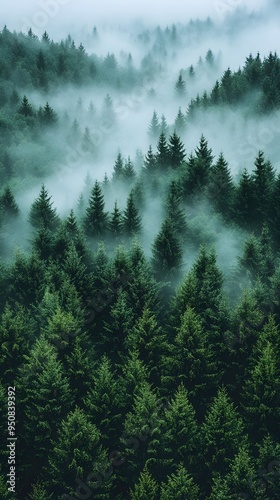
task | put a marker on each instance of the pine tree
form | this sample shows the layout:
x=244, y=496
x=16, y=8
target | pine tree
x=77, y=457
x=179, y=486
x=241, y=481
x=102, y=402
x=118, y=168
x=180, y=122
x=261, y=393
x=263, y=179
x=199, y=168
x=274, y=212
x=131, y=220
x=25, y=108
x=174, y=209
x=174, y=439
x=10, y=210
x=146, y=488
x=148, y=339
x=139, y=427
x=176, y=151
x=154, y=128
x=163, y=126
x=134, y=375
x=150, y=163
x=222, y=434
x=167, y=252
x=45, y=398
x=115, y=223
x=180, y=87
x=87, y=142
x=41, y=214
x=96, y=219
x=244, y=203
x=221, y=188
x=163, y=155
x=48, y=116
x=129, y=173
x=190, y=361
x=116, y=329
x=14, y=340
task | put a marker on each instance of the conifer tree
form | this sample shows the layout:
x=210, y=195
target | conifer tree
x=45, y=399
x=167, y=252
x=179, y=485
x=163, y=155
x=115, y=223
x=129, y=173
x=150, y=162
x=42, y=214
x=180, y=122
x=176, y=151
x=222, y=434
x=96, y=219
x=25, y=108
x=146, y=488
x=154, y=128
x=174, y=209
x=148, y=339
x=102, y=402
x=244, y=202
x=180, y=87
x=10, y=210
x=174, y=439
x=221, y=188
x=241, y=481
x=131, y=220
x=118, y=168
x=77, y=458
x=261, y=393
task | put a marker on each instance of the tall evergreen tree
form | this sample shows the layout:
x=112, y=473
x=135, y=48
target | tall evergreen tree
x=77, y=458
x=42, y=214
x=167, y=251
x=96, y=219
x=176, y=151
x=131, y=220
x=221, y=188
x=163, y=155
x=179, y=485
x=180, y=87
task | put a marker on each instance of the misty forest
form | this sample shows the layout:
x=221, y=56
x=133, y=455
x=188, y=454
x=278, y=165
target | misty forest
x=139, y=262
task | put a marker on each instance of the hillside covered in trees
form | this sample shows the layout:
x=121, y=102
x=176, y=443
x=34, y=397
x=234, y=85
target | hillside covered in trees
x=139, y=267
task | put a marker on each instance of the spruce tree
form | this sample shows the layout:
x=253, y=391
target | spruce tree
x=96, y=219
x=42, y=214
x=131, y=220
x=176, y=151
x=154, y=128
x=146, y=488
x=167, y=251
x=103, y=403
x=118, y=168
x=163, y=155
x=179, y=486
x=115, y=223
x=222, y=434
x=175, y=437
x=78, y=458
x=180, y=87
x=221, y=188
